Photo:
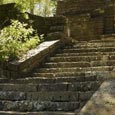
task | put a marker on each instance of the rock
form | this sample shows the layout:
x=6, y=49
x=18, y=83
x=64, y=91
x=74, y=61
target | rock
x=102, y=102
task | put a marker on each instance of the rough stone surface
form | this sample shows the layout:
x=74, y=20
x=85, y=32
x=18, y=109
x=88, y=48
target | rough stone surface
x=12, y=95
x=35, y=106
x=33, y=58
x=35, y=113
x=65, y=82
x=18, y=87
x=102, y=102
x=93, y=18
x=45, y=25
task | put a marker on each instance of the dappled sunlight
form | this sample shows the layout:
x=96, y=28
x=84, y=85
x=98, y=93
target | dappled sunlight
x=102, y=102
x=57, y=58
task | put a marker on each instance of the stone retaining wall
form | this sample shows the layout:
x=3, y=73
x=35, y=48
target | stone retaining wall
x=101, y=16
x=19, y=68
x=81, y=27
x=45, y=25
x=52, y=27
x=81, y=6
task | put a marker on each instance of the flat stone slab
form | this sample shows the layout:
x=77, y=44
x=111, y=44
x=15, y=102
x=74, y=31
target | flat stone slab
x=34, y=113
x=102, y=102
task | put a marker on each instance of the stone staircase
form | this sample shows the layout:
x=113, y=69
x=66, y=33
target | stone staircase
x=63, y=84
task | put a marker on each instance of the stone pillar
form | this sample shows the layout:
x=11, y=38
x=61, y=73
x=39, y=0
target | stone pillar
x=80, y=27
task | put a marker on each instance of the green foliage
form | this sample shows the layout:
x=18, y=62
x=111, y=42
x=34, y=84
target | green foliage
x=15, y=40
x=38, y=7
x=1, y=2
x=45, y=8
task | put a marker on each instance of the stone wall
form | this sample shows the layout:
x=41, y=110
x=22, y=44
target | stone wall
x=82, y=6
x=45, y=25
x=101, y=17
x=21, y=68
x=53, y=27
x=80, y=27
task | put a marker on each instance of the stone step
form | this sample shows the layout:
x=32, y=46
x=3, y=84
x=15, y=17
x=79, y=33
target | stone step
x=83, y=58
x=18, y=87
x=12, y=95
x=94, y=45
x=4, y=80
x=34, y=106
x=81, y=63
x=75, y=58
x=84, y=50
x=60, y=96
x=64, y=86
x=59, y=74
x=38, y=80
x=98, y=75
x=66, y=64
x=85, y=54
x=35, y=113
x=97, y=41
x=76, y=69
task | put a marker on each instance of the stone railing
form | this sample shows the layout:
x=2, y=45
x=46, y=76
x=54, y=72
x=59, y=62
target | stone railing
x=48, y=25
x=33, y=58
x=51, y=27
x=43, y=25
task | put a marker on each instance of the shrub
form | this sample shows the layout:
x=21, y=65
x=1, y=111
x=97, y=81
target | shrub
x=16, y=39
